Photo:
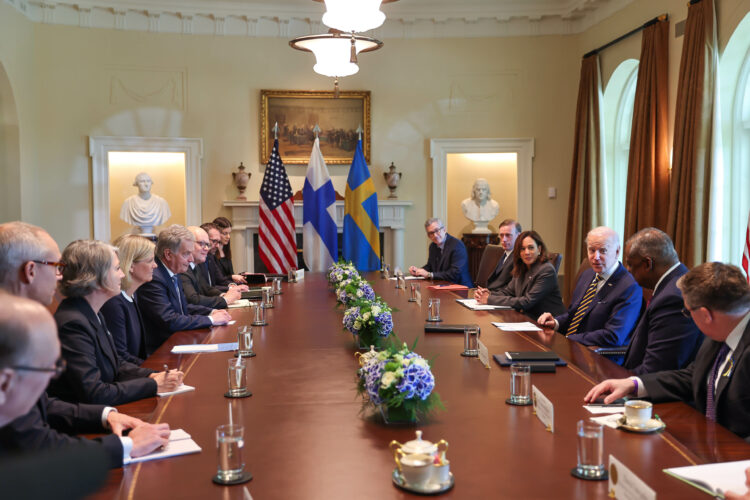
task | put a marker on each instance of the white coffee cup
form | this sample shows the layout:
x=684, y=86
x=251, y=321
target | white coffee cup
x=638, y=412
x=416, y=469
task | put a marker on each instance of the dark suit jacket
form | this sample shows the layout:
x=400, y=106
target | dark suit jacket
x=614, y=313
x=95, y=374
x=49, y=425
x=690, y=384
x=487, y=277
x=532, y=293
x=219, y=279
x=126, y=326
x=198, y=291
x=664, y=339
x=164, y=312
x=451, y=263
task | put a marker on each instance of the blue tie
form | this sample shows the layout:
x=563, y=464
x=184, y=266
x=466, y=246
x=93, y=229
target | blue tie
x=176, y=281
x=711, y=389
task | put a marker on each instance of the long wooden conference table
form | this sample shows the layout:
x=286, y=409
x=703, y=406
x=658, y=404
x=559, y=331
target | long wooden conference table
x=306, y=438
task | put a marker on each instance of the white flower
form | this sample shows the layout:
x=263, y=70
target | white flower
x=366, y=316
x=375, y=310
x=387, y=380
x=419, y=362
x=357, y=325
x=399, y=373
x=398, y=358
x=360, y=293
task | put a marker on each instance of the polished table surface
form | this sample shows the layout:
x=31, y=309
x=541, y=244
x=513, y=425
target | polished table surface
x=307, y=438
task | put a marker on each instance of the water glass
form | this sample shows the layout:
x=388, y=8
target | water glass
x=245, y=341
x=520, y=384
x=590, y=449
x=229, y=445
x=471, y=344
x=433, y=310
x=259, y=318
x=414, y=288
x=277, y=286
x=237, y=373
x=267, y=297
x=291, y=275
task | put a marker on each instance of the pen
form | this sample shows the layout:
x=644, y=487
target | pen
x=166, y=369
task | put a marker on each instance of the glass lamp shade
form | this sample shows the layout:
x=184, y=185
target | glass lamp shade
x=353, y=15
x=333, y=52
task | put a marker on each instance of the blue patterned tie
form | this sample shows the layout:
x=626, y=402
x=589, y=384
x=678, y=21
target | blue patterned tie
x=176, y=281
x=583, y=306
x=711, y=389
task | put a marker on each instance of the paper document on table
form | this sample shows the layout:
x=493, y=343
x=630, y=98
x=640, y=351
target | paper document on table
x=239, y=303
x=598, y=409
x=180, y=443
x=517, y=327
x=472, y=304
x=408, y=278
x=198, y=348
x=714, y=479
x=179, y=390
x=611, y=421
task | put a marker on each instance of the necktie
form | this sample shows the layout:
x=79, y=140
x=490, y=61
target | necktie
x=175, y=280
x=498, y=268
x=711, y=389
x=583, y=306
x=207, y=273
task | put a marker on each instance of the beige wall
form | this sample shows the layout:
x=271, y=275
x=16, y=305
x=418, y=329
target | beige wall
x=208, y=87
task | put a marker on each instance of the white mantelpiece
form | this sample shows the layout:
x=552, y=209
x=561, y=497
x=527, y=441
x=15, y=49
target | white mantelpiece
x=245, y=222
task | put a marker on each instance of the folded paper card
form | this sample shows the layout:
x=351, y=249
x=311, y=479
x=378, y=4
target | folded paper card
x=714, y=479
x=198, y=348
x=517, y=327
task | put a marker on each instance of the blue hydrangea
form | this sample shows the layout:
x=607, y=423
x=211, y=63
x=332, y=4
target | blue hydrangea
x=384, y=320
x=417, y=381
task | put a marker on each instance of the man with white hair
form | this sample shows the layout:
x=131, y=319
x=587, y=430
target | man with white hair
x=195, y=282
x=607, y=300
x=162, y=300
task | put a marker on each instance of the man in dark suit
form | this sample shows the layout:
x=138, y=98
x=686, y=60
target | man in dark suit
x=496, y=264
x=162, y=300
x=26, y=253
x=606, y=301
x=717, y=297
x=195, y=279
x=663, y=339
x=447, y=258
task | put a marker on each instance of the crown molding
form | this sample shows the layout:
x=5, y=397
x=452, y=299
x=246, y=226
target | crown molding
x=407, y=19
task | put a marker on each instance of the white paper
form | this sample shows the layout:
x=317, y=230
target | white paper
x=232, y=322
x=239, y=303
x=517, y=327
x=177, y=434
x=611, y=421
x=628, y=485
x=545, y=412
x=474, y=306
x=299, y=274
x=172, y=449
x=720, y=477
x=179, y=390
x=409, y=277
x=484, y=354
x=596, y=410
x=198, y=348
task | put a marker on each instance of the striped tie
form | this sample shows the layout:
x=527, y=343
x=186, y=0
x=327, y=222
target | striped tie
x=584, y=306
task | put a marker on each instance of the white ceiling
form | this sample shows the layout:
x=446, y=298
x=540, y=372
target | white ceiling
x=284, y=18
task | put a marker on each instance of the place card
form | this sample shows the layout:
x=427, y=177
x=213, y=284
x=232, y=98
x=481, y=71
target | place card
x=625, y=485
x=386, y=273
x=543, y=408
x=299, y=274
x=484, y=354
x=419, y=298
x=401, y=281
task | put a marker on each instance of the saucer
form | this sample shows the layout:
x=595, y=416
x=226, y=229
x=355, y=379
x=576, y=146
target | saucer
x=653, y=425
x=428, y=489
x=245, y=394
x=242, y=478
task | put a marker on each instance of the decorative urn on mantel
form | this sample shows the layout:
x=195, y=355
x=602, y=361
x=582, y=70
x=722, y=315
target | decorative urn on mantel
x=392, y=178
x=241, y=178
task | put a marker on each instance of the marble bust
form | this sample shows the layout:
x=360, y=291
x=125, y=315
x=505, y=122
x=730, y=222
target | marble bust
x=480, y=208
x=145, y=210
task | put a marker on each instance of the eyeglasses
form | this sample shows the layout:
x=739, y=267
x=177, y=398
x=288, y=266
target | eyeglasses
x=687, y=312
x=60, y=365
x=215, y=242
x=59, y=266
x=204, y=244
x=436, y=231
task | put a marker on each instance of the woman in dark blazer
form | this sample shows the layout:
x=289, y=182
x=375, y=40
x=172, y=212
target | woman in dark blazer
x=95, y=373
x=224, y=255
x=121, y=313
x=533, y=288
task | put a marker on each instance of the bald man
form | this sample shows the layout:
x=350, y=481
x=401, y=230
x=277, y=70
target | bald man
x=195, y=279
x=607, y=300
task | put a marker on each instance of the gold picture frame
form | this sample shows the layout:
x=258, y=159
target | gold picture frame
x=298, y=111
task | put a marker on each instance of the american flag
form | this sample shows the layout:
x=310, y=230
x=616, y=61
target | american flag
x=746, y=251
x=278, y=246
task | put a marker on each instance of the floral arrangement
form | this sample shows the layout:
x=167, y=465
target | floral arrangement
x=354, y=289
x=341, y=271
x=398, y=380
x=371, y=320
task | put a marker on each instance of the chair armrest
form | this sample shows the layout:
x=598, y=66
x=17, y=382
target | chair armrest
x=611, y=352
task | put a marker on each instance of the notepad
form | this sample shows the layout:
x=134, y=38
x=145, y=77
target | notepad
x=239, y=303
x=714, y=479
x=408, y=278
x=531, y=356
x=198, y=348
x=448, y=287
x=517, y=327
x=179, y=390
x=474, y=306
x=180, y=443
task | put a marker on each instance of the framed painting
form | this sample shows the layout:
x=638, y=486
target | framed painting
x=298, y=111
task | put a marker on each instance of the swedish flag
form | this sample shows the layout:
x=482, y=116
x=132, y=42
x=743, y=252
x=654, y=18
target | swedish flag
x=361, y=227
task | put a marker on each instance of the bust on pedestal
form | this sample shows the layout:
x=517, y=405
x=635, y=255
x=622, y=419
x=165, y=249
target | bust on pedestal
x=145, y=210
x=480, y=208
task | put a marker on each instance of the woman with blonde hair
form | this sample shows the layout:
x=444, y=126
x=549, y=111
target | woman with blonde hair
x=121, y=313
x=95, y=373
